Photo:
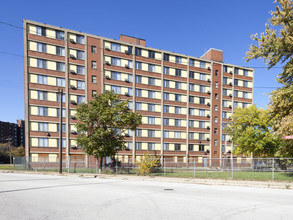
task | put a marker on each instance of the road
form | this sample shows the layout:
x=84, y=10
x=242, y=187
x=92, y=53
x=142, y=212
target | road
x=28, y=196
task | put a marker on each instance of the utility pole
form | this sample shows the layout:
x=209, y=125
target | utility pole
x=9, y=139
x=60, y=92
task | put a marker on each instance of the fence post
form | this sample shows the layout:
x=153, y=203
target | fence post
x=116, y=166
x=164, y=159
x=69, y=162
x=194, y=167
x=232, y=168
x=273, y=169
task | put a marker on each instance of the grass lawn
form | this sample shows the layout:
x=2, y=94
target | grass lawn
x=6, y=166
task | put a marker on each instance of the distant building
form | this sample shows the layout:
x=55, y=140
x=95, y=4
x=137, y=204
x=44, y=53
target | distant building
x=14, y=131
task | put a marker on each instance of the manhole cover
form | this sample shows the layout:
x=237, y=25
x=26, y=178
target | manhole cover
x=169, y=189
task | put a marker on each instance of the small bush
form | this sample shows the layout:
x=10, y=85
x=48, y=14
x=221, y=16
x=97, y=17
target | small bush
x=147, y=164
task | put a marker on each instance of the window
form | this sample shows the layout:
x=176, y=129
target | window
x=178, y=147
x=201, y=136
x=177, y=97
x=216, y=119
x=202, y=100
x=191, y=62
x=177, y=72
x=191, y=111
x=115, y=61
x=236, y=71
x=116, y=47
x=166, y=108
x=130, y=78
x=138, y=132
x=80, y=99
x=151, y=107
x=80, y=55
x=202, y=76
x=63, y=112
x=130, y=105
x=166, y=70
x=42, y=95
x=151, y=81
x=138, y=79
x=137, y=51
x=79, y=39
x=151, y=120
x=151, y=68
x=166, y=96
x=151, y=133
x=225, y=69
x=43, y=142
x=216, y=131
x=201, y=112
x=138, y=92
x=216, y=72
x=190, y=147
x=216, y=96
x=138, y=65
x=236, y=93
x=41, y=63
x=202, y=64
x=42, y=79
x=236, y=82
x=202, y=124
x=43, y=111
x=245, y=95
x=225, y=80
x=191, y=74
x=94, y=79
x=80, y=84
x=245, y=72
x=177, y=110
x=60, y=82
x=151, y=94
x=215, y=142
x=130, y=91
x=235, y=105
x=224, y=115
x=151, y=54
x=60, y=66
x=191, y=87
x=151, y=146
x=191, y=99
x=94, y=93
x=138, y=145
x=42, y=47
x=130, y=64
x=178, y=122
x=129, y=145
x=115, y=75
x=177, y=134
x=59, y=35
x=42, y=126
x=225, y=92
x=217, y=85
x=60, y=51
x=129, y=49
x=166, y=146
x=190, y=135
x=93, y=49
x=166, y=83
x=41, y=31
x=216, y=108
x=116, y=89
x=177, y=85
x=201, y=147
x=166, y=121
x=94, y=64
x=245, y=83
x=166, y=57
x=138, y=106
x=63, y=127
x=191, y=123
x=244, y=105
x=202, y=88
x=178, y=59
x=225, y=103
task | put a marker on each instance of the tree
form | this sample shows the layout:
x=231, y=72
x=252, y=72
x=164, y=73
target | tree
x=147, y=164
x=252, y=133
x=103, y=123
x=274, y=47
x=17, y=152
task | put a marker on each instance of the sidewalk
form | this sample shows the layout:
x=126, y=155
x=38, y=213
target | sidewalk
x=243, y=183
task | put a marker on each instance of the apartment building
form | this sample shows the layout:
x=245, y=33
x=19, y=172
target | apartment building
x=184, y=101
x=13, y=132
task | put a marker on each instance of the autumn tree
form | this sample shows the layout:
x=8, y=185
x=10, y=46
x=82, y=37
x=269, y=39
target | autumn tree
x=252, y=133
x=103, y=122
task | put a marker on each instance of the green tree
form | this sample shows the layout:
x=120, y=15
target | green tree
x=276, y=46
x=103, y=123
x=252, y=133
x=17, y=152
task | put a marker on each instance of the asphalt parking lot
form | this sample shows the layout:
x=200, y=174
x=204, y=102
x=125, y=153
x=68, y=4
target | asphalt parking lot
x=30, y=196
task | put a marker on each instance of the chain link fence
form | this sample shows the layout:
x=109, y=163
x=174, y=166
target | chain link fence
x=202, y=167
